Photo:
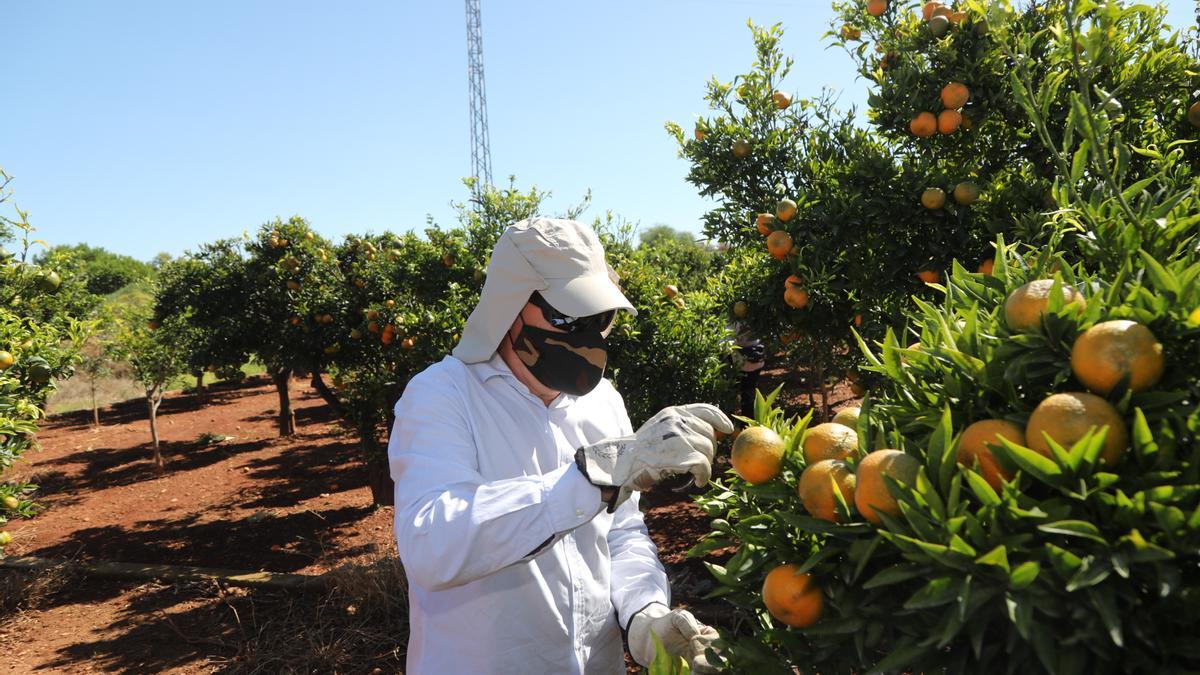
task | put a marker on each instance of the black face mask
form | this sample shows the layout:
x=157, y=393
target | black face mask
x=572, y=363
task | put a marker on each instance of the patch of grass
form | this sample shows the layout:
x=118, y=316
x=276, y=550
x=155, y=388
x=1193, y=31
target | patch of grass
x=75, y=393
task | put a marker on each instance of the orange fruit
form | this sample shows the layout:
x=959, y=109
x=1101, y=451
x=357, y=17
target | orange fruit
x=949, y=121
x=741, y=309
x=790, y=336
x=967, y=122
x=928, y=9
x=10, y=502
x=817, y=484
x=794, y=293
x=933, y=198
x=670, y=290
x=938, y=25
x=1068, y=417
x=1193, y=114
x=987, y=266
x=785, y=210
x=1025, y=306
x=850, y=32
x=876, y=7
x=741, y=148
x=782, y=99
x=6, y=360
x=871, y=494
x=407, y=343
x=955, y=95
x=757, y=455
x=966, y=193
x=779, y=244
x=792, y=596
x=973, y=446
x=373, y=327
x=957, y=18
x=293, y=285
x=848, y=416
x=829, y=441
x=923, y=124
x=5, y=539
x=858, y=320
x=1110, y=351
x=928, y=276
x=765, y=223
x=942, y=11
x=698, y=133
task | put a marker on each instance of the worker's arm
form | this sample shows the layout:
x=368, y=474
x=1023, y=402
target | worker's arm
x=452, y=526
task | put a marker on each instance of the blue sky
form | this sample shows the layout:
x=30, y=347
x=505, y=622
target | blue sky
x=156, y=126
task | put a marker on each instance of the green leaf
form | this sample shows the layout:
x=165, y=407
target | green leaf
x=997, y=557
x=896, y=574
x=982, y=490
x=1074, y=528
x=1104, y=602
x=937, y=592
x=903, y=655
x=1162, y=279
x=1024, y=574
x=1029, y=461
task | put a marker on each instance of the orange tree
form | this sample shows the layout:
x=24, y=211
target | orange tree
x=1025, y=494
x=37, y=346
x=204, y=295
x=295, y=309
x=156, y=354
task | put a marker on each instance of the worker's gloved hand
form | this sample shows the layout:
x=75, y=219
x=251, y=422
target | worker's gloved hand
x=680, y=633
x=679, y=439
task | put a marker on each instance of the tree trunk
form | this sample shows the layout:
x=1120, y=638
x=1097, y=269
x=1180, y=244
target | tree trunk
x=326, y=393
x=287, y=418
x=153, y=398
x=95, y=408
x=824, y=391
x=199, y=381
x=379, y=478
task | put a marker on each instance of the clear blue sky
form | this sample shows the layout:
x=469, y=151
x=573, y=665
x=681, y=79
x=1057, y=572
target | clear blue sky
x=156, y=126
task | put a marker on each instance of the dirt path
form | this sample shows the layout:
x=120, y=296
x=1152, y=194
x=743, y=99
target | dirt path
x=251, y=502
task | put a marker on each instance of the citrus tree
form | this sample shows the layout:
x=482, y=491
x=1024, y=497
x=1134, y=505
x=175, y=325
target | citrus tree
x=156, y=354
x=1021, y=489
x=297, y=314
x=205, y=292
x=37, y=346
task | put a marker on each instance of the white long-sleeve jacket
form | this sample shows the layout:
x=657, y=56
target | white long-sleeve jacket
x=513, y=564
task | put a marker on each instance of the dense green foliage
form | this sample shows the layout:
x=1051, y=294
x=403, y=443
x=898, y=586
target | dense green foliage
x=101, y=271
x=1074, y=565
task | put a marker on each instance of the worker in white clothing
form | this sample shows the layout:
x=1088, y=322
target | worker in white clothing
x=517, y=476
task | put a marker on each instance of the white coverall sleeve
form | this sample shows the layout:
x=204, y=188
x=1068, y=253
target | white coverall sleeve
x=638, y=577
x=453, y=527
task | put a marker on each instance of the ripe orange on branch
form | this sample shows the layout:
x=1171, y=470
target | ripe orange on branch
x=782, y=99
x=933, y=198
x=871, y=494
x=1193, y=114
x=923, y=124
x=928, y=10
x=779, y=244
x=794, y=293
x=876, y=7
x=741, y=148
x=765, y=223
x=817, y=484
x=1068, y=417
x=973, y=446
x=785, y=210
x=1110, y=351
x=757, y=455
x=949, y=121
x=966, y=193
x=792, y=597
x=829, y=441
x=1025, y=306
x=955, y=95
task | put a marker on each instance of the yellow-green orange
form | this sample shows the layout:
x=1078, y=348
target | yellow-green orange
x=871, y=494
x=848, y=417
x=817, y=485
x=973, y=446
x=1024, y=307
x=1068, y=417
x=1110, y=351
x=10, y=502
x=829, y=441
x=6, y=360
x=757, y=455
x=792, y=597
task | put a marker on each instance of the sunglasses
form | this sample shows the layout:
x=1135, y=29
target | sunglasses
x=572, y=324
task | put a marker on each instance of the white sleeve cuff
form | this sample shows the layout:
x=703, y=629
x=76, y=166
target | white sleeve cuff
x=571, y=500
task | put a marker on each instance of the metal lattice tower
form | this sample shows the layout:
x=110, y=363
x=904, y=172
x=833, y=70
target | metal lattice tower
x=481, y=154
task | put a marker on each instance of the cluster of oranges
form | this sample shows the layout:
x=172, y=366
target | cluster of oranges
x=954, y=96
x=1104, y=357
x=780, y=245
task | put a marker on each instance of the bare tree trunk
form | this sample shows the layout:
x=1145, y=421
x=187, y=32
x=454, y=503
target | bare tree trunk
x=287, y=418
x=95, y=408
x=199, y=381
x=154, y=397
x=379, y=478
x=326, y=393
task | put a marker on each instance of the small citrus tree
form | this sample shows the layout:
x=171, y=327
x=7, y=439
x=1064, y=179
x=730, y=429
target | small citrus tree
x=157, y=354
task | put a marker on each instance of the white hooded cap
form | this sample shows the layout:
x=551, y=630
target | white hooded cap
x=561, y=259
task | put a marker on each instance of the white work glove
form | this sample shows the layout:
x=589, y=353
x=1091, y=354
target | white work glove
x=680, y=633
x=679, y=439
